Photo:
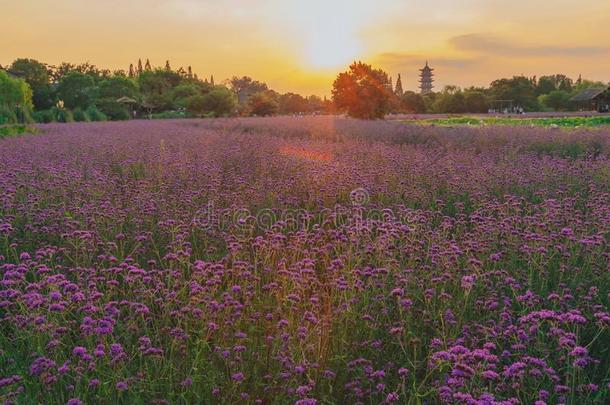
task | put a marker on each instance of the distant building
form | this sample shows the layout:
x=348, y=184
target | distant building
x=597, y=99
x=426, y=79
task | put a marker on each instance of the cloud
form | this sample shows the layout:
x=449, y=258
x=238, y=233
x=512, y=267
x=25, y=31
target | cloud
x=399, y=60
x=492, y=44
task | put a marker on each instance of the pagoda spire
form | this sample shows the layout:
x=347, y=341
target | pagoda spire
x=426, y=79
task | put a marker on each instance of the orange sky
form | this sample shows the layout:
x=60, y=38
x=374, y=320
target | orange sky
x=301, y=45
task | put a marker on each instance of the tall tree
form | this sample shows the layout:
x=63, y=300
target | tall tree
x=147, y=66
x=398, y=91
x=362, y=92
x=131, y=72
x=167, y=66
x=140, y=70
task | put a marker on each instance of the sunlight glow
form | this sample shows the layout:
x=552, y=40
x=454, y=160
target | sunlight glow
x=330, y=31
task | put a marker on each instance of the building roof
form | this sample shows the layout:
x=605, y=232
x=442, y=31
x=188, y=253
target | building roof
x=589, y=94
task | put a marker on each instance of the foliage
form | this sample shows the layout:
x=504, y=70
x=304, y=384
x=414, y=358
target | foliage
x=363, y=92
x=156, y=88
x=77, y=89
x=16, y=130
x=520, y=89
x=245, y=86
x=547, y=84
x=44, y=116
x=218, y=102
x=291, y=103
x=95, y=114
x=114, y=110
x=80, y=115
x=62, y=114
x=167, y=115
x=7, y=115
x=36, y=74
x=413, y=102
x=262, y=104
x=563, y=122
x=118, y=86
x=476, y=101
x=15, y=100
x=557, y=100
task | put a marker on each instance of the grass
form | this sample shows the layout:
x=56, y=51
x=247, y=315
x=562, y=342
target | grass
x=563, y=122
x=16, y=130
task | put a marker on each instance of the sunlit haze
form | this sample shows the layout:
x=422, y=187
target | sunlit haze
x=301, y=45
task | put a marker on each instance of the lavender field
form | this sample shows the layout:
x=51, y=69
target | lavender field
x=303, y=261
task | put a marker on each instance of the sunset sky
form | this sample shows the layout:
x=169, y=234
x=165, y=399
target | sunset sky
x=301, y=45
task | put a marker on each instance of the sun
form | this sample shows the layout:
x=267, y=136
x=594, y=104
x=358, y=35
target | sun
x=329, y=32
x=327, y=49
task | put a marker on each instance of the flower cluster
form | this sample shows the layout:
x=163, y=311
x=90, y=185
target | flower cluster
x=488, y=284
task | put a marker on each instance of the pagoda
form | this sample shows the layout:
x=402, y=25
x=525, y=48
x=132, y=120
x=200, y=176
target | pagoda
x=426, y=79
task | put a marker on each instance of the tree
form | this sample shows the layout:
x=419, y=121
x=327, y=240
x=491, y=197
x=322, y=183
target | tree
x=77, y=89
x=110, y=90
x=36, y=75
x=413, y=102
x=167, y=66
x=156, y=88
x=291, y=103
x=450, y=100
x=520, y=89
x=545, y=85
x=262, y=104
x=398, y=91
x=220, y=101
x=475, y=101
x=30, y=70
x=558, y=100
x=117, y=87
x=147, y=66
x=244, y=87
x=362, y=92
x=15, y=99
x=140, y=70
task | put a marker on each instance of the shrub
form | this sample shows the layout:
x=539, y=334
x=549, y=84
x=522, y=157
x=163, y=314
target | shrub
x=44, y=116
x=113, y=110
x=166, y=115
x=95, y=114
x=63, y=115
x=80, y=115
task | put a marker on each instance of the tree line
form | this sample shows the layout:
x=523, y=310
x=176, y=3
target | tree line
x=366, y=92
x=34, y=91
